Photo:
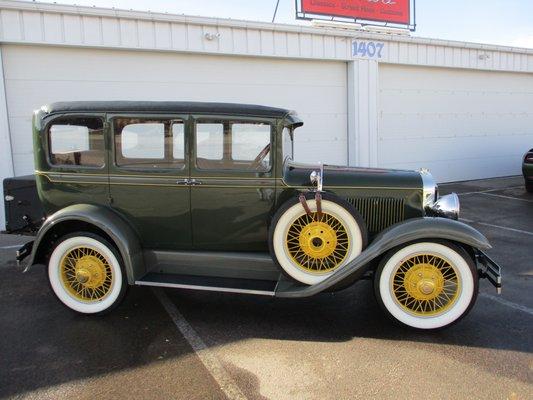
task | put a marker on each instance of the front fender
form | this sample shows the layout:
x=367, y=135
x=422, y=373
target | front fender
x=105, y=219
x=398, y=234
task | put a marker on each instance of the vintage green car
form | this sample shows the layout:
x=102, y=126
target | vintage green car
x=527, y=170
x=207, y=196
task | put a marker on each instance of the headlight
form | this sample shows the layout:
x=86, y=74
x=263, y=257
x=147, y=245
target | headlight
x=447, y=206
x=429, y=189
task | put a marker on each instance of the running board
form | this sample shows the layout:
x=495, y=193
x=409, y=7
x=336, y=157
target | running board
x=210, y=283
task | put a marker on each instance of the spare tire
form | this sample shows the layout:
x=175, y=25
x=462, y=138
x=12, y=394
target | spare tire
x=308, y=247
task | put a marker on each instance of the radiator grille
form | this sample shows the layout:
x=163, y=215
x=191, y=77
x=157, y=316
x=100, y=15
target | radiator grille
x=379, y=212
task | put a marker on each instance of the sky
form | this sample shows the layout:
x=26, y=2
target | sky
x=501, y=22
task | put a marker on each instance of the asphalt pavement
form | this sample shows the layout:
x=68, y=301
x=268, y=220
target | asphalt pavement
x=183, y=344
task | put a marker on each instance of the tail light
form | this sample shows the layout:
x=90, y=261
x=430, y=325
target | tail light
x=528, y=159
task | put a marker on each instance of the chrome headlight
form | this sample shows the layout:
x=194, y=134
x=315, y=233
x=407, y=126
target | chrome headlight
x=429, y=188
x=447, y=206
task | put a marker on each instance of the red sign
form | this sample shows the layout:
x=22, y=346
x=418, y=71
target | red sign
x=394, y=11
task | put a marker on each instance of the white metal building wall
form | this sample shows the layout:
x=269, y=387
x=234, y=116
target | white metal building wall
x=461, y=124
x=35, y=76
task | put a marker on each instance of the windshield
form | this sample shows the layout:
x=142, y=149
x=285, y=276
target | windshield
x=288, y=143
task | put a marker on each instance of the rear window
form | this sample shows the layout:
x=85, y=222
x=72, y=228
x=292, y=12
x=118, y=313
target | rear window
x=77, y=141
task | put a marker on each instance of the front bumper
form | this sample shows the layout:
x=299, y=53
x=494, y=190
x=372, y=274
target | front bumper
x=488, y=269
x=23, y=252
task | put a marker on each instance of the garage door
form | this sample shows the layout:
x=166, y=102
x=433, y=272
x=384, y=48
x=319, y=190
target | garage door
x=38, y=75
x=460, y=124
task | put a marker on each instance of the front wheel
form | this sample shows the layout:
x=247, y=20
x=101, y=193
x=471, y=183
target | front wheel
x=427, y=285
x=85, y=273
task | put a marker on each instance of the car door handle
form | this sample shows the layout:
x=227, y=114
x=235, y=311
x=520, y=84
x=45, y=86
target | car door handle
x=194, y=182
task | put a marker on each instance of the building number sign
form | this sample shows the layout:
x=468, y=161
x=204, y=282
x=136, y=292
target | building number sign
x=367, y=49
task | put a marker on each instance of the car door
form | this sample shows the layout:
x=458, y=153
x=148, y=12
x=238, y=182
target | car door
x=149, y=176
x=232, y=182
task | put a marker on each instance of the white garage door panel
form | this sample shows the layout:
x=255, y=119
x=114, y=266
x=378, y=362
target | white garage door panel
x=460, y=124
x=445, y=157
x=40, y=92
x=22, y=143
x=38, y=75
x=438, y=125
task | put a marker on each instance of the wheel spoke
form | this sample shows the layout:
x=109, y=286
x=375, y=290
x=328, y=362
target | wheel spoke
x=425, y=284
x=86, y=274
x=331, y=244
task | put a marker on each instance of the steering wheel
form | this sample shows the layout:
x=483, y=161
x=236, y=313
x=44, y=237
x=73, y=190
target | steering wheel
x=261, y=156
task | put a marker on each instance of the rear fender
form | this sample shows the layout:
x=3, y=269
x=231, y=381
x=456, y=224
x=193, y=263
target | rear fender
x=398, y=234
x=123, y=236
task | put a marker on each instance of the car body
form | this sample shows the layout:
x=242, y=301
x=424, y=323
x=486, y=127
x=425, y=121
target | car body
x=527, y=170
x=208, y=196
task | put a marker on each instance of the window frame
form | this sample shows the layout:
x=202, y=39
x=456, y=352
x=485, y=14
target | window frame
x=170, y=118
x=196, y=119
x=48, y=145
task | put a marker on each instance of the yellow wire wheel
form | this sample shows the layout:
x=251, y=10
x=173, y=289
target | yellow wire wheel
x=317, y=244
x=309, y=246
x=426, y=285
x=86, y=274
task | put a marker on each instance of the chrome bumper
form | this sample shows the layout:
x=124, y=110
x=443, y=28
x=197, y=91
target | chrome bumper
x=22, y=253
x=489, y=269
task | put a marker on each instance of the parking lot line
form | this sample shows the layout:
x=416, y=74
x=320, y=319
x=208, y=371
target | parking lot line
x=206, y=356
x=505, y=228
x=489, y=190
x=508, y=303
x=497, y=226
x=506, y=197
x=10, y=247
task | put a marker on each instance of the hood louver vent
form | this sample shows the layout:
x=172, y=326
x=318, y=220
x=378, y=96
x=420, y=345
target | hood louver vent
x=379, y=213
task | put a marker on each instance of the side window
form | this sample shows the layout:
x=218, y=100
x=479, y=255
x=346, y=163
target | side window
x=210, y=141
x=288, y=143
x=143, y=141
x=178, y=141
x=233, y=145
x=76, y=141
x=249, y=140
x=149, y=143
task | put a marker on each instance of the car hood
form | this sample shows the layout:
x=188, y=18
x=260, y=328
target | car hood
x=297, y=174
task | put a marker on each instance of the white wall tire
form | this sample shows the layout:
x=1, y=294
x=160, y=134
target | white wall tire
x=342, y=211
x=399, y=267
x=106, y=293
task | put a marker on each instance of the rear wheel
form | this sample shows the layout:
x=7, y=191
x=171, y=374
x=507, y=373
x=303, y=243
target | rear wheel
x=85, y=273
x=529, y=186
x=310, y=247
x=427, y=285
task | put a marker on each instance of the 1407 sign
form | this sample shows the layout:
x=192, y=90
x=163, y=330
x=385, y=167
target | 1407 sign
x=367, y=49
